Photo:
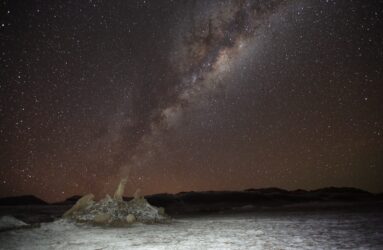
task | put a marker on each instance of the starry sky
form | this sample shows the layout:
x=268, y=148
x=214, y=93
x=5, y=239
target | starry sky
x=189, y=95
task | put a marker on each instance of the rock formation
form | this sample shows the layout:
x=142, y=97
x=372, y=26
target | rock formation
x=118, y=195
x=137, y=194
x=115, y=211
x=81, y=204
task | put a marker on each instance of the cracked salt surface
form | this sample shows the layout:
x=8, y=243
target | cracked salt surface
x=255, y=231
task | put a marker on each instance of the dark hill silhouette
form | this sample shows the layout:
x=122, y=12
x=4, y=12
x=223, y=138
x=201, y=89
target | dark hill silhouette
x=21, y=200
x=183, y=203
x=213, y=201
x=69, y=201
x=349, y=190
x=267, y=190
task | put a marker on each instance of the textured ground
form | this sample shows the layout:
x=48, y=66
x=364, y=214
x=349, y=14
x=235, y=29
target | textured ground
x=290, y=230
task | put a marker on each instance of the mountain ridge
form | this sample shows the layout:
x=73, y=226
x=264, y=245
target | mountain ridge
x=250, y=194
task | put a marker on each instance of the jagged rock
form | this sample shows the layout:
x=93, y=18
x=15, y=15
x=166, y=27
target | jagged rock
x=144, y=212
x=137, y=194
x=116, y=211
x=130, y=218
x=118, y=195
x=83, y=202
x=101, y=218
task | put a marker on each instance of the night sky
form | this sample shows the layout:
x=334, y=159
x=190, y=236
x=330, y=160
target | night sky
x=189, y=95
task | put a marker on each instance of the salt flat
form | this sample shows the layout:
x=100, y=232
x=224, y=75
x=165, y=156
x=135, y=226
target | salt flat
x=308, y=230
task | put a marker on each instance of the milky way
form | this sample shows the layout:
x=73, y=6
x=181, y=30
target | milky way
x=210, y=42
x=189, y=95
